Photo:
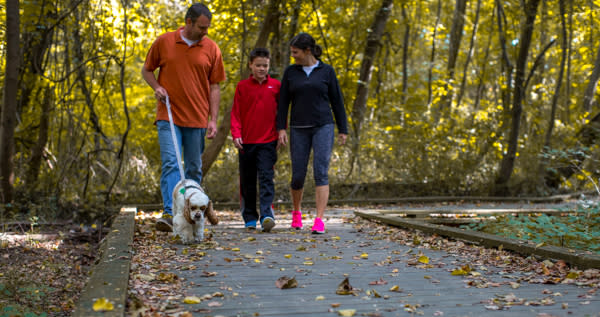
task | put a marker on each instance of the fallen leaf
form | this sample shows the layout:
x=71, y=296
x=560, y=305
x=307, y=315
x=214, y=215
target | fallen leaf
x=287, y=256
x=345, y=288
x=215, y=304
x=364, y=256
x=395, y=288
x=320, y=297
x=192, y=300
x=347, y=312
x=103, y=304
x=573, y=275
x=424, y=259
x=285, y=282
x=381, y=281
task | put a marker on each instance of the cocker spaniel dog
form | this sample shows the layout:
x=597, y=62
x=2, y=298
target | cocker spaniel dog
x=190, y=206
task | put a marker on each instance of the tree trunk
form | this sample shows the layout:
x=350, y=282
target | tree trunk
x=8, y=117
x=567, y=116
x=366, y=69
x=214, y=148
x=456, y=31
x=561, y=71
x=37, y=152
x=463, y=83
x=82, y=83
x=432, y=56
x=508, y=160
x=405, y=55
x=590, y=90
x=506, y=65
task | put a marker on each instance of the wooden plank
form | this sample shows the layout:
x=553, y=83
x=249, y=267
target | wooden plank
x=579, y=259
x=111, y=274
x=478, y=211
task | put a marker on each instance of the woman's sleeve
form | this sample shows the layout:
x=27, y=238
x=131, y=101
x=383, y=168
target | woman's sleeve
x=337, y=103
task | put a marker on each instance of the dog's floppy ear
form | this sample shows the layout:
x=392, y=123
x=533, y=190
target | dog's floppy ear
x=187, y=210
x=211, y=214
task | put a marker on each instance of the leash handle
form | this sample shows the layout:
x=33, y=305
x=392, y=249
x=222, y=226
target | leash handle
x=175, y=143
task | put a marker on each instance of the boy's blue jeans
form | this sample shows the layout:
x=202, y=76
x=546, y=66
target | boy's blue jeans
x=192, y=142
x=320, y=139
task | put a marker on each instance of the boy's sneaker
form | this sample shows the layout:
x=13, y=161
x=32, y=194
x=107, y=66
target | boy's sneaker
x=297, y=219
x=318, y=226
x=267, y=224
x=251, y=225
x=165, y=224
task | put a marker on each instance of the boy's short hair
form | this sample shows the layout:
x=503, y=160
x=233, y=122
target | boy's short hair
x=259, y=52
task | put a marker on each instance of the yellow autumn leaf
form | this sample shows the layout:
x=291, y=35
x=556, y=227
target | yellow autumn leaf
x=424, y=259
x=573, y=275
x=364, y=256
x=346, y=312
x=459, y=272
x=336, y=238
x=395, y=288
x=320, y=297
x=287, y=256
x=192, y=300
x=257, y=261
x=235, y=249
x=308, y=263
x=103, y=304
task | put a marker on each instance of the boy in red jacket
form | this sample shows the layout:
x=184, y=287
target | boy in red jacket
x=254, y=134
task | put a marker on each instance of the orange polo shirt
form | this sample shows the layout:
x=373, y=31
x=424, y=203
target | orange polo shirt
x=186, y=72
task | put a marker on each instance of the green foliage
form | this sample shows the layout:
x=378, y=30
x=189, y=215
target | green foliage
x=579, y=230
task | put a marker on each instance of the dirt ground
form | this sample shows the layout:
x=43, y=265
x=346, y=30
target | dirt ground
x=42, y=271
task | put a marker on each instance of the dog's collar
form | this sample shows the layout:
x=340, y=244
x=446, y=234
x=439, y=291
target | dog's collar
x=187, y=186
x=193, y=186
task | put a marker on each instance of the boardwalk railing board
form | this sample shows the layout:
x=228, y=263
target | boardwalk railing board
x=110, y=276
x=579, y=259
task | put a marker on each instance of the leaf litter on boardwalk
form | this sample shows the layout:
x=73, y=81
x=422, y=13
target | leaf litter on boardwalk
x=476, y=265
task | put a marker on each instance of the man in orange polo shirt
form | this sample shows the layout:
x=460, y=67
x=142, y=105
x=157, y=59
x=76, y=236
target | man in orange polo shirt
x=190, y=70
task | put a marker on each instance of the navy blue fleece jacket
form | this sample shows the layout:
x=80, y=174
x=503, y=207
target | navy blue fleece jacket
x=311, y=97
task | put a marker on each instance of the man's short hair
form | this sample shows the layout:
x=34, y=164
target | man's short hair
x=197, y=10
x=259, y=52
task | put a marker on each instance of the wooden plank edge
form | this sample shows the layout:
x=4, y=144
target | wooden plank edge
x=575, y=258
x=110, y=275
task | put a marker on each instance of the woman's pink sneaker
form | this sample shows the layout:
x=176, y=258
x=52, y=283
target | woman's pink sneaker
x=318, y=226
x=297, y=219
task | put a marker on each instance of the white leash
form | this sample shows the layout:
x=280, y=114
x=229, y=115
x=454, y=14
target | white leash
x=179, y=164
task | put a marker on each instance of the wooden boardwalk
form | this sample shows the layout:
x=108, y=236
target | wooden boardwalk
x=237, y=278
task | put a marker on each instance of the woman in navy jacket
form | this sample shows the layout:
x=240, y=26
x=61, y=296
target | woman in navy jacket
x=314, y=92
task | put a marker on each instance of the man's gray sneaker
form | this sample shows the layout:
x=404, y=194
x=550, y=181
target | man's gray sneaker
x=164, y=224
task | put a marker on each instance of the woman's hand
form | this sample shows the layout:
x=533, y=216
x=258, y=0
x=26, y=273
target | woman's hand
x=342, y=138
